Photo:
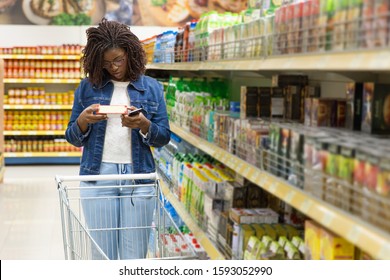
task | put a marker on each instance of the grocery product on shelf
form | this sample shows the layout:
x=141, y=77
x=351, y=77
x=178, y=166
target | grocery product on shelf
x=34, y=105
x=299, y=26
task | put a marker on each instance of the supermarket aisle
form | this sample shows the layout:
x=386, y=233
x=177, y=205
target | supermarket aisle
x=30, y=222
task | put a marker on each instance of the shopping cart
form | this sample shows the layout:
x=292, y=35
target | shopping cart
x=87, y=238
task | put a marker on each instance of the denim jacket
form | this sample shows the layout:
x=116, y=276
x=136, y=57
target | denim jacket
x=146, y=93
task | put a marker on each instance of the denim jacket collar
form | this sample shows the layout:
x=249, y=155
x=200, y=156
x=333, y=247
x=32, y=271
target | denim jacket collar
x=138, y=84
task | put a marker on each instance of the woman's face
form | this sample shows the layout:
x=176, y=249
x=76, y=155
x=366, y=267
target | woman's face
x=115, y=62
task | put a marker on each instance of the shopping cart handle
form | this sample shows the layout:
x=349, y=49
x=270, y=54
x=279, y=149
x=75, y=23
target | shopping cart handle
x=150, y=176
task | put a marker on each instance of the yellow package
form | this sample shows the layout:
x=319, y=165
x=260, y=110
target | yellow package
x=267, y=240
x=245, y=233
x=280, y=230
x=270, y=231
x=282, y=241
x=292, y=252
x=291, y=231
x=251, y=248
x=312, y=240
x=333, y=247
x=260, y=232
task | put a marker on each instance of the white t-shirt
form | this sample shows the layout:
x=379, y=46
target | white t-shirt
x=117, y=142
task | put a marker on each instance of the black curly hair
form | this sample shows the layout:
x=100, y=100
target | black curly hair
x=107, y=35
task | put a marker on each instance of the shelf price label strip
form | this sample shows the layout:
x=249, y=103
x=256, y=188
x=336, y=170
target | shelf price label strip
x=374, y=241
x=375, y=60
x=42, y=154
x=42, y=81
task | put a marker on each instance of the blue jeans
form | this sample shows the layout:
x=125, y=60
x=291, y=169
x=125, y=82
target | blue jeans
x=113, y=214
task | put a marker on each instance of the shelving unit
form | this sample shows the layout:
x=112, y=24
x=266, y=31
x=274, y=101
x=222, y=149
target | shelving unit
x=57, y=83
x=361, y=65
x=43, y=158
x=2, y=168
x=375, y=241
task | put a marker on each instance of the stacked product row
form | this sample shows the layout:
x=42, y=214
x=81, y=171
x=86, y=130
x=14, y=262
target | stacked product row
x=274, y=28
x=42, y=144
x=33, y=120
x=328, y=162
x=37, y=96
x=42, y=69
x=65, y=49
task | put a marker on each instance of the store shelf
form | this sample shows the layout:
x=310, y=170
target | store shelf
x=367, y=60
x=37, y=107
x=370, y=239
x=200, y=235
x=41, y=81
x=42, y=158
x=30, y=133
x=44, y=154
x=40, y=56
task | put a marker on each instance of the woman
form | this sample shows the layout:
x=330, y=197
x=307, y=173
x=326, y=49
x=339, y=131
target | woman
x=114, y=64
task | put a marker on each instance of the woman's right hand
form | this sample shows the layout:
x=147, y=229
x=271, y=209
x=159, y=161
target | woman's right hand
x=89, y=116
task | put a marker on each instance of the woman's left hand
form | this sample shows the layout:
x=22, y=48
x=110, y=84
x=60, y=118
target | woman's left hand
x=136, y=121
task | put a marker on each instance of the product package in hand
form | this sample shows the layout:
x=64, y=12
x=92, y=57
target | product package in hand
x=118, y=110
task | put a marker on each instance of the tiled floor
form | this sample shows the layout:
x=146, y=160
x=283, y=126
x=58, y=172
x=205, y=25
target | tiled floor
x=30, y=222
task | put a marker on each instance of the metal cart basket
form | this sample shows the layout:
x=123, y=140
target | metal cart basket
x=83, y=239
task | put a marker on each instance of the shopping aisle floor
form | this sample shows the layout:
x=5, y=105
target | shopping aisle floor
x=30, y=222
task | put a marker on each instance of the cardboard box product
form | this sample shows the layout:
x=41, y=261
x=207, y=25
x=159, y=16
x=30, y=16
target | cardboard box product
x=376, y=109
x=333, y=247
x=277, y=103
x=251, y=248
x=321, y=112
x=292, y=252
x=266, y=216
x=294, y=102
x=287, y=80
x=253, y=215
x=234, y=195
x=246, y=232
x=235, y=240
x=259, y=230
x=354, y=101
x=256, y=196
x=223, y=224
x=339, y=114
x=308, y=111
x=112, y=110
x=249, y=102
x=264, y=102
x=212, y=203
x=312, y=240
